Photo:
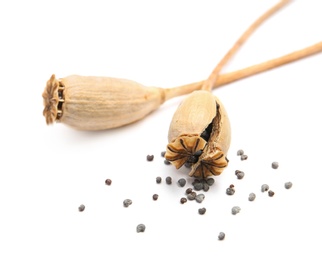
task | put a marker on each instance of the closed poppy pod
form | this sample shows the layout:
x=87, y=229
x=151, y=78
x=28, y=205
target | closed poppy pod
x=98, y=103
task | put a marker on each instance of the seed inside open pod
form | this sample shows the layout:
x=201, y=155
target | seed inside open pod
x=199, y=134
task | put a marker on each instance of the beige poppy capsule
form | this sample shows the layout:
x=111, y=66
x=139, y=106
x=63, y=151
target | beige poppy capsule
x=199, y=135
x=97, y=103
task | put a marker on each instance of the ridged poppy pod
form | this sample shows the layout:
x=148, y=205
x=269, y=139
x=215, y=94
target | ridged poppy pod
x=98, y=103
x=199, y=135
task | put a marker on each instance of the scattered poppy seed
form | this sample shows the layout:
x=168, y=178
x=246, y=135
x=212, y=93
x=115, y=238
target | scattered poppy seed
x=221, y=236
x=183, y=200
x=288, y=185
x=271, y=193
x=149, y=158
x=162, y=153
x=167, y=162
x=108, y=181
x=140, y=228
x=192, y=195
x=127, y=202
x=155, y=196
x=200, y=197
x=230, y=191
x=168, y=180
x=240, y=152
x=182, y=182
x=244, y=157
x=264, y=188
x=275, y=165
x=81, y=208
x=158, y=179
x=210, y=181
x=202, y=211
x=235, y=210
x=188, y=191
x=239, y=174
x=251, y=196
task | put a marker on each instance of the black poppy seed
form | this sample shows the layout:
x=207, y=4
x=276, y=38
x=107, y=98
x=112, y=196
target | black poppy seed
x=264, y=188
x=166, y=162
x=140, y=228
x=188, y=191
x=202, y=211
x=81, y=208
x=205, y=186
x=221, y=236
x=240, y=152
x=158, y=179
x=127, y=202
x=251, y=196
x=288, y=185
x=149, y=157
x=243, y=157
x=192, y=195
x=182, y=182
x=275, y=165
x=235, y=210
x=183, y=200
x=230, y=191
x=163, y=153
x=271, y=193
x=210, y=181
x=240, y=175
x=168, y=180
x=108, y=181
x=198, y=186
x=155, y=196
x=200, y=197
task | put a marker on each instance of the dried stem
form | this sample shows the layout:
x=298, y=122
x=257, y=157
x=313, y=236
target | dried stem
x=246, y=72
x=210, y=82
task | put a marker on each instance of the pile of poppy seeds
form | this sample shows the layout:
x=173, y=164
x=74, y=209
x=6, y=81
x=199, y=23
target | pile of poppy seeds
x=195, y=193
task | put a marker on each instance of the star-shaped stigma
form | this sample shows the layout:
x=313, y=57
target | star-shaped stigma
x=185, y=149
x=212, y=164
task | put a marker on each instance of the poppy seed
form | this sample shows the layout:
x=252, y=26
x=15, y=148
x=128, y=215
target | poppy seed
x=264, y=188
x=158, y=179
x=108, y=181
x=288, y=185
x=127, y=202
x=149, y=158
x=81, y=208
x=251, y=197
x=240, y=152
x=202, y=211
x=168, y=180
x=275, y=165
x=140, y=228
x=182, y=182
x=221, y=236
x=235, y=210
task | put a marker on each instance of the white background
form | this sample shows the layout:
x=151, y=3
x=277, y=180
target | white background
x=48, y=171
